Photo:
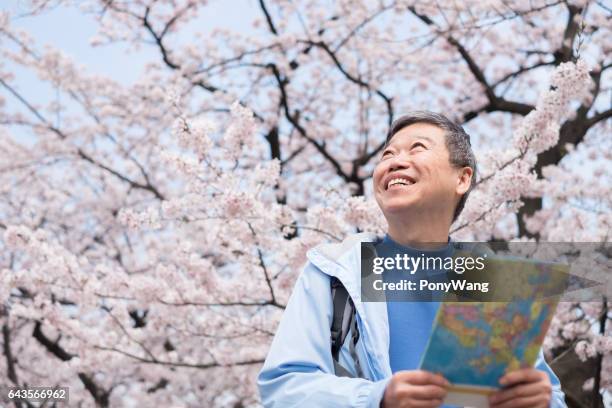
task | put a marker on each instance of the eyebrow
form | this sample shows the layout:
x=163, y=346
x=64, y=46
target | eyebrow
x=430, y=140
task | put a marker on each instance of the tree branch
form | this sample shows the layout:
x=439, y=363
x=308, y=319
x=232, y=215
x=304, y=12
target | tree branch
x=598, y=117
x=496, y=103
x=100, y=396
x=358, y=81
x=80, y=152
x=11, y=373
x=293, y=118
x=262, y=4
x=165, y=54
x=201, y=366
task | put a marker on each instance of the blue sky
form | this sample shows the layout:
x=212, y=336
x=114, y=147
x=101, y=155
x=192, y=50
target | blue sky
x=70, y=30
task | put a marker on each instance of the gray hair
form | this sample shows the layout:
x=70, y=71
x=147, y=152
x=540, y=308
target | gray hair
x=457, y=143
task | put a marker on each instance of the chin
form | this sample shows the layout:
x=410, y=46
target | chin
x=398, y=207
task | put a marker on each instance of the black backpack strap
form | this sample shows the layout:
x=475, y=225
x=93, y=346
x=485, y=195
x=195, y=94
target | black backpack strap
x=340, y=317
x=354, y=339
x=343, y=319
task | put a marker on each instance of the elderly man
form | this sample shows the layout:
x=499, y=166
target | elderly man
x=421, y=183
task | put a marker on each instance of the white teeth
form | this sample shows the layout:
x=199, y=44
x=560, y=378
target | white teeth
x=399, y=181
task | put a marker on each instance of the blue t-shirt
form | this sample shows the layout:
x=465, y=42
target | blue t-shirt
x=410, y=322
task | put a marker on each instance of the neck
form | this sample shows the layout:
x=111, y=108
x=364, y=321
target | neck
x=419, y=232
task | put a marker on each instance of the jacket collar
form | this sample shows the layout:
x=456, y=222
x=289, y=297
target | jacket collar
x=343, y=260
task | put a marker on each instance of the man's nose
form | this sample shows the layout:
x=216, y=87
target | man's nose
x=398, y=163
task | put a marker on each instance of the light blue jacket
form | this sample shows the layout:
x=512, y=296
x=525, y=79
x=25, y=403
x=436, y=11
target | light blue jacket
x=299, y=369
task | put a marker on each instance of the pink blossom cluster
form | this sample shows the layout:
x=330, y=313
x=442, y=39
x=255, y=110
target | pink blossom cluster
x=151, y=230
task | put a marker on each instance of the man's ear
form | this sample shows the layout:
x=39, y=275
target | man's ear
x=464, y=178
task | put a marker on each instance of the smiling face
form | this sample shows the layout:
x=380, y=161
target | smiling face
x=415, y=174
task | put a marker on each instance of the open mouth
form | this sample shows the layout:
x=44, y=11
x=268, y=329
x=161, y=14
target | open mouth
x=398, y=183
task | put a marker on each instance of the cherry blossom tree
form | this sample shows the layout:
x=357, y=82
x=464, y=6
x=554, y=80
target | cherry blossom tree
x=151, y=237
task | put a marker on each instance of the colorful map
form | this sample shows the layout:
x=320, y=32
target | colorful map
x=475, y=343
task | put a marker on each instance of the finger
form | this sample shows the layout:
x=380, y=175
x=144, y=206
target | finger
x=421, y=377
x=522, y=375
x=405, y=391
x=415, y=403
x=520, y=391
x=536, y=401
x=426, y=392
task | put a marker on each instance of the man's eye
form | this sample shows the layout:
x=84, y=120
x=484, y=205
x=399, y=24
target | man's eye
x=386, y=153
x=418, y=144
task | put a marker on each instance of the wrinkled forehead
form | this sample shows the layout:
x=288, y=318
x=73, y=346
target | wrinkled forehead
x=405, y=139
x=423, y=131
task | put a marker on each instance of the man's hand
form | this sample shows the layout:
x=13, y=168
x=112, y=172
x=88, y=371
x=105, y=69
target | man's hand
x=419, y=389
x=529, y=388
